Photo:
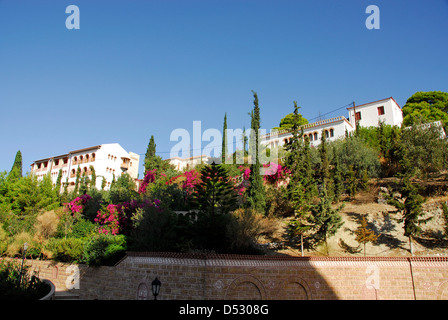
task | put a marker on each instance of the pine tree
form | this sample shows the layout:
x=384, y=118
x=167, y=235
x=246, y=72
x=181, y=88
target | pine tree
x=255, y=192
x=215, y=198
x=325, y=219
x=364, y=234
x=224, y=151
x=215, y=194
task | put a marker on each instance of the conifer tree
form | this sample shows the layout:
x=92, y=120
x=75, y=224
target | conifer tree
x=338, y=179
x=16, y=170
x=58, y=182
x=255, y=192
x=103, y=183
x=84, y=183
x=411, y=209
x=324, y=169
x=215, y=194
x=244, y=140
x=364, y=234
x=300, y=186
x=215, y=198
x=77, y=181
x=93, y=178
x=224, y=150
x=153, y=161
x=294, y=162
x=324, y=219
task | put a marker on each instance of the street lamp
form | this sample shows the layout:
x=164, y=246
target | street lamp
x=156, y=287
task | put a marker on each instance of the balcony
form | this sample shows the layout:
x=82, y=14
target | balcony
x=124, y=166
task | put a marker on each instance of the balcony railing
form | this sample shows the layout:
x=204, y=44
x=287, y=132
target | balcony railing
x=124, y=166
x=305, y=126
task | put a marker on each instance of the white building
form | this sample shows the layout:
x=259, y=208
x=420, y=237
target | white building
x=108, y=160
x=181, y=164
x=370, y=114
x=333, y=129
x=366, y=115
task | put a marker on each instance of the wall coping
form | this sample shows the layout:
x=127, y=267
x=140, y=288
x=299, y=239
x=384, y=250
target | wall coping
x=212, y=256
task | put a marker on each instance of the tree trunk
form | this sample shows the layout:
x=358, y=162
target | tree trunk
x=410, y=246
x=301, y=244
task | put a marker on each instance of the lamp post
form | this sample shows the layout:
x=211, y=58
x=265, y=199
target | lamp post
x=156, y=287
x=25, y=247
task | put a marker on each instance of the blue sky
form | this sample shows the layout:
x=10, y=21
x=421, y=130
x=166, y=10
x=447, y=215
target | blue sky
x=141, y=68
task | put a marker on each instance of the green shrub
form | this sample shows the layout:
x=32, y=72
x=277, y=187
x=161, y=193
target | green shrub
x=12, y=287
x=156, y=230
x=66, y=249
x=83, y=228
x=104, y=249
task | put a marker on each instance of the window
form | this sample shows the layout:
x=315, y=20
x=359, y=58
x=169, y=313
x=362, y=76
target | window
x=358, y=116
x=332, y=133
x=381, y=110
x=315, y=136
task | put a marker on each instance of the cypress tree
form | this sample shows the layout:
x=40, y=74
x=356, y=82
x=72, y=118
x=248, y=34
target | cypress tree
x=244, y=140
x=93, y=178
x=153, y=161
x=324, y=170
x=103, y=183
x=58, y=182
x=294, y=163
x=16, y=170
x=299, y=187
x=255, y=192
x=224, y=140
x=78, y=177
x=151, y=149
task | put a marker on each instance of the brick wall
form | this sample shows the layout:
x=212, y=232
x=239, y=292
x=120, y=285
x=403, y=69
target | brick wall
x=200, y=276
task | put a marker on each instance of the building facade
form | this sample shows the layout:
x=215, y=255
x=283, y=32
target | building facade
x=366, y=115
x=108, y=161
x=370, y=114
x=182, y=164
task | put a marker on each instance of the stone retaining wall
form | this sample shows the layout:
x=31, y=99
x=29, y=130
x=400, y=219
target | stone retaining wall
x=202, y=277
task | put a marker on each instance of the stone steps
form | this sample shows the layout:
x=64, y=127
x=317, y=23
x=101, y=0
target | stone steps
x=66, y=295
